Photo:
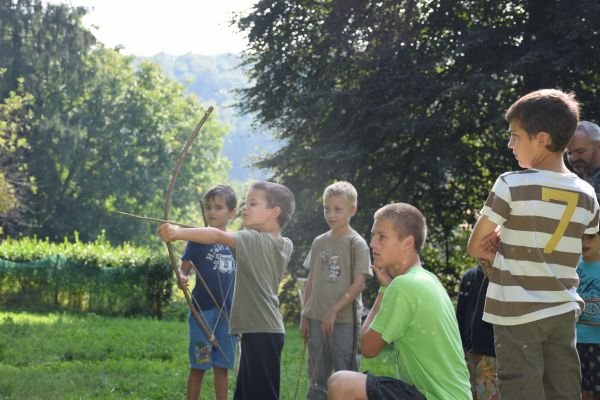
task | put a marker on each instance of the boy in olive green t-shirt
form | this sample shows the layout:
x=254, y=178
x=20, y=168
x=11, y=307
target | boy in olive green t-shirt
x=339, y=264
x=262, y=255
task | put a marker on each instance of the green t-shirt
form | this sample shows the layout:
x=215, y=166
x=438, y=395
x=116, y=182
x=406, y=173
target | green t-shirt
x=417, y=315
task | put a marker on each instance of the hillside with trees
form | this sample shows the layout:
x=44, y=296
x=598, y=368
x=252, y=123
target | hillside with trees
x=217, y=80
x=84, y=131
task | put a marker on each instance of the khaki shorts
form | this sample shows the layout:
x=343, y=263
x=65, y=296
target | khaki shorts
x=538, y=360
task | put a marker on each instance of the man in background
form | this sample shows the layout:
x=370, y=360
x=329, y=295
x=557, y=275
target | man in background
x=583, y=153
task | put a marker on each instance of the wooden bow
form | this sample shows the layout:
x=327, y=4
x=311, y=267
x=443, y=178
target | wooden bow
x=210, y=335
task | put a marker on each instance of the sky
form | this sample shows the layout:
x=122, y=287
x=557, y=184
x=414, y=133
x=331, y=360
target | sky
x=147, y=27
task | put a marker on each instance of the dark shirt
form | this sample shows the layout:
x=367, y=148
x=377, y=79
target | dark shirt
x=594, y=180
x=477, y=335
x=216, y=264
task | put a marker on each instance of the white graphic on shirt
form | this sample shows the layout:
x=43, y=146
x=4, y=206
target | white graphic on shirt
x=331, y=263
x=225, y=263
x=222, y=263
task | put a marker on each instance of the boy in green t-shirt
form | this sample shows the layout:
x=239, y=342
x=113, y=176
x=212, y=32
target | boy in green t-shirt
x=412, y=311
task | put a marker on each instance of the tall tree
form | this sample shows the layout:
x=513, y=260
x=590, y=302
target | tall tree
x=16, y=119
x=108, y=133
x=405, y=98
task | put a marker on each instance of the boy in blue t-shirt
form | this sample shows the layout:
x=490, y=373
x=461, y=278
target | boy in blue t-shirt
x=588, y=327
x=214, y=265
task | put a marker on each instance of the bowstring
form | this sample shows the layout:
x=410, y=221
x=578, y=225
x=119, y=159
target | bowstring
x=220, y=308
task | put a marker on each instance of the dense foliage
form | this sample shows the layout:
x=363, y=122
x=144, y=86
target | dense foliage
x=405, y=99
x=92, y=277
x=15, y=183
x=105, y=134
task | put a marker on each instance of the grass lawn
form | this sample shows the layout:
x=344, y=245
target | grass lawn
x=66, y=356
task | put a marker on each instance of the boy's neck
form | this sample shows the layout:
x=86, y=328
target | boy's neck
x=551, y=161
x=341, y=232
x=272, y=229
x=404, y=265
x=592, y=258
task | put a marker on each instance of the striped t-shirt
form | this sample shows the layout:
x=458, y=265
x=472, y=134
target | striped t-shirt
x=543, y=216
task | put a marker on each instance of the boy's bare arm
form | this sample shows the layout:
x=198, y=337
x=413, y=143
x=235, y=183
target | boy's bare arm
x=186, y=265
x=184, y=274
x=304, y=327
x=371, y=342
x=483, y=242
x=358, y=285
x=170, y=233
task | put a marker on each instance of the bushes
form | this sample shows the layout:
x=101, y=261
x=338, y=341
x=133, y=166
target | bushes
x=289, y=299
x=97, y=277
x=78, y=276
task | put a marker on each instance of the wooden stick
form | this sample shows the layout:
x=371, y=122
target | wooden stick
x=151, y=219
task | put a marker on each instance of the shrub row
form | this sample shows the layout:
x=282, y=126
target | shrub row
x=76, y=276
x=98, y=277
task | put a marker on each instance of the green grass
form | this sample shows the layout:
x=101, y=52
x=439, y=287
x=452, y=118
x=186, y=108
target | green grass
x=66, y=356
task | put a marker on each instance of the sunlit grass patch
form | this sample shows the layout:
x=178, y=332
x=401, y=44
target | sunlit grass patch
x=86, y=356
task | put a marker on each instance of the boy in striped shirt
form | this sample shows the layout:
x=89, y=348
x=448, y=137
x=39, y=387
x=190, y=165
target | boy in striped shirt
x=540, y=215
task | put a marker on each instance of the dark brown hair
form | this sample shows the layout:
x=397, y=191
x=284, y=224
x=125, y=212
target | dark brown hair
x=280, y=196
x=224, y=191
x=547, y=110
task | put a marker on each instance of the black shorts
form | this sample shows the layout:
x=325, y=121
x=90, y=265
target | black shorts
x=589, y=354
x=385, y=388
x=259, y=366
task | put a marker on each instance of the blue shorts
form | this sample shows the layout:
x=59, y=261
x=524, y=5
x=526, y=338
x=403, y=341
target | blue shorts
x=202, y=354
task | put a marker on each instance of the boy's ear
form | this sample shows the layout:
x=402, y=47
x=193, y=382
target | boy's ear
x=354, y=209
x=543, y=138
x=276, y=211
x=409, y=241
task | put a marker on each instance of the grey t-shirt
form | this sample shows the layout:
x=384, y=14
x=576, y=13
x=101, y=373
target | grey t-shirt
x=329, y=261
x=261, y=263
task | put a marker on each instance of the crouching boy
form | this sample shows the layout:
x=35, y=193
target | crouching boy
x=412, y=311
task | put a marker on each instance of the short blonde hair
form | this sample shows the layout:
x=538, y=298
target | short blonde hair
x=407, y=220
x=342, y=188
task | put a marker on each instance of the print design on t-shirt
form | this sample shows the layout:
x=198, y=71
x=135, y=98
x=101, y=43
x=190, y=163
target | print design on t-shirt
x=331, y=264
x=223, y=263
x=591, y=311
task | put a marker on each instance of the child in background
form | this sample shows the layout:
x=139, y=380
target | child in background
x=588, y=327
x=262, y=255
x=477, y=336
x=412, y=311
x=216, y=268
x=543, y=211
x=339, y=264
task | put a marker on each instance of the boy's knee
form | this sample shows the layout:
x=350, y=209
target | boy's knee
x=334, y=385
